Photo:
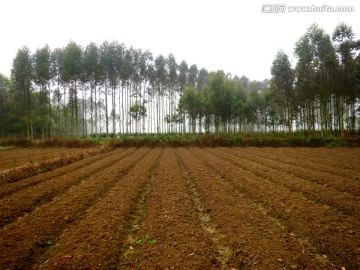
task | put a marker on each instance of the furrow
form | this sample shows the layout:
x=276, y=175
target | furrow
x=322, y=194
x=24, y=201
x=250, y=233
x=225, y=252
x=342, y=184
x=132, y=220
x=34, y=180
x=47, y=222
x=96, y=241
x=317, y=227
x=283, y=157
x=170, y=235
x=18, y=158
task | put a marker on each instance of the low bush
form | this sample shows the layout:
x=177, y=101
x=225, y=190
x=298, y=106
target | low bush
x=270, y=139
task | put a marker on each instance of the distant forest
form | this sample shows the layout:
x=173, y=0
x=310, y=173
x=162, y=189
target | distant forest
x=109, y=89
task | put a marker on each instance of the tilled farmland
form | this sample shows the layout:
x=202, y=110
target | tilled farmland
x=13, y=158
x=187, y=208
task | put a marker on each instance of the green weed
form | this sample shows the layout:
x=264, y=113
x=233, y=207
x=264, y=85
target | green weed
x=148, y=240
x=138, y=242
x=6, y=147
x=49, y=243
x=12, y=164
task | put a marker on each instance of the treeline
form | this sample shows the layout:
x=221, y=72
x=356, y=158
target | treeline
x=100, y=89
x=322, y=92
x=110, y=89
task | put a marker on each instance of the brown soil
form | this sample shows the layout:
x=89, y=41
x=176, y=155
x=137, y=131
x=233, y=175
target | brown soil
x=12, y=158
x=187, y=208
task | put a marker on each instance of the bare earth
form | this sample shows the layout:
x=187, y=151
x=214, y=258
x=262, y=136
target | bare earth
x=187, y=208
x=17, y=157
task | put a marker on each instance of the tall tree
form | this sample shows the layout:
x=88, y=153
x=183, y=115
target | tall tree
x=183, y=80
x=220, y=96
x=71, y=71
x=5, y=106
x=316, y=72
x=91, y=66
x=202, y=79
x=42, y=77
x=193, y=75
x=172, y=68
x=282, y=81
x=191, y=103
x=160, y=82
x=145, y=64
x=22, y=76
x=346, y=47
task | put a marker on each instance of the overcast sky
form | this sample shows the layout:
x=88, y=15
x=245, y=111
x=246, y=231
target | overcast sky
x=231, y=35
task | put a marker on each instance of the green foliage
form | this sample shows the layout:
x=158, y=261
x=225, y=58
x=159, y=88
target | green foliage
x=75, y=91
x=273, y=139
x=147, y=240
x=138, y=242
x=137, y=111
x=49, y=243
x=282, y=83
x=22, y=76
x=6, y=147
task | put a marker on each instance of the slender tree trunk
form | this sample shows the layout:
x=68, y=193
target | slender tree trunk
x=96, y=112
x=106, y=110
x=113, y=94
x=121, y=107
x=91, y=109
x=84, y=111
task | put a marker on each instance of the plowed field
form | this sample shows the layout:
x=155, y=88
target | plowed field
x=187, y=208
x=17, y=157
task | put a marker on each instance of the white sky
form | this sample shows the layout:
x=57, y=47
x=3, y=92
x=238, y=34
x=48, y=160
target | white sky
x=232, y=35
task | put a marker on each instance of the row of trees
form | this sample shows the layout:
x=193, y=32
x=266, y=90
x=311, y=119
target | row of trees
x=96, y=89
x=322, y=92
x=110, y=89
x=103, y=89
x=229, y=105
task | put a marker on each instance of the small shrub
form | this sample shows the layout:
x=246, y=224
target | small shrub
x=315, y=141
x=6, y=147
